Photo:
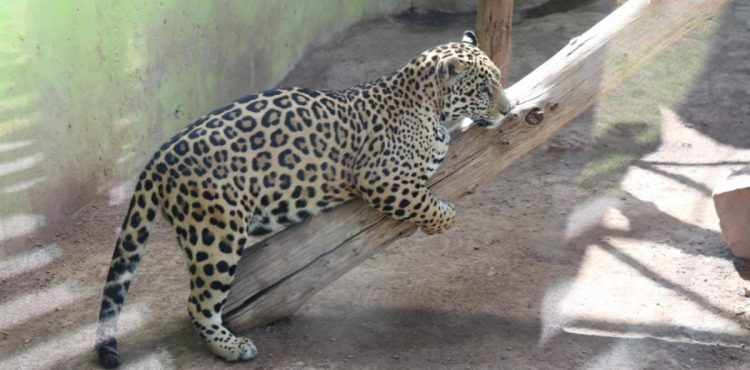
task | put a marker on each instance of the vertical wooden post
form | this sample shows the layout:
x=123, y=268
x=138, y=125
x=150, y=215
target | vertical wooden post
x=494, y=19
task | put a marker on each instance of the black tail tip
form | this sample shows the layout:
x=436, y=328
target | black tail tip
x=109, y=358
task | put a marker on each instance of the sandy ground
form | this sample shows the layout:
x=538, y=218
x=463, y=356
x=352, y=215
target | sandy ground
x=599, y=250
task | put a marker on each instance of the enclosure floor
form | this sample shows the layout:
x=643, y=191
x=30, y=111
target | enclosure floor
x=599, y=250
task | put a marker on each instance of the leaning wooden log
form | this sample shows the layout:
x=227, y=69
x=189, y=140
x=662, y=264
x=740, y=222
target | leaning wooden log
x=277, y=275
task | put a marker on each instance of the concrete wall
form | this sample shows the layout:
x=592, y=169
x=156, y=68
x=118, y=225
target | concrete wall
x=89, y=89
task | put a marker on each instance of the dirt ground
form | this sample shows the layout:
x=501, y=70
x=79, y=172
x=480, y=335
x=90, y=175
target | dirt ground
x=598, y=250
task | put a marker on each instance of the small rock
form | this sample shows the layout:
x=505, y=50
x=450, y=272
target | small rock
x=492, y=271
x=395, y=357
x=746, y=292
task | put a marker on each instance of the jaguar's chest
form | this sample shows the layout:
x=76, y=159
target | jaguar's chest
x=441, y=135
x=439, y=148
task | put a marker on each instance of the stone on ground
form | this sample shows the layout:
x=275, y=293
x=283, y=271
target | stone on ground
x=732, y=202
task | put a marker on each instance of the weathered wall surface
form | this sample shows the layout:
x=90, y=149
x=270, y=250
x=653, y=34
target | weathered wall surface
x=89, y=89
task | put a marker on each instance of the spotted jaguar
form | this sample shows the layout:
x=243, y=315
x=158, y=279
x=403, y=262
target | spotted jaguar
x=275, y=158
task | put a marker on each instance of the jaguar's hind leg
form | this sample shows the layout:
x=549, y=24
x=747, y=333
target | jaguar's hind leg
x=212, y=258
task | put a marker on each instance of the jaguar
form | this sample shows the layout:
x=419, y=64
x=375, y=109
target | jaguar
x=277, y=157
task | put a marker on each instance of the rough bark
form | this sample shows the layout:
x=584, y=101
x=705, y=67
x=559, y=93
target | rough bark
x=277, y=275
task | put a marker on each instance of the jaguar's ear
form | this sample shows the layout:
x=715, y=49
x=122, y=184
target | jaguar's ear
x=450, y=69
x=470, y=38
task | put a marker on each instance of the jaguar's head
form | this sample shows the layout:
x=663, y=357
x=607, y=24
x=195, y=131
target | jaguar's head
x=472, y=83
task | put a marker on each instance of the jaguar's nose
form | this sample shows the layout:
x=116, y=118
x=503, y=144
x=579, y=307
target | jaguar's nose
x=505, y=105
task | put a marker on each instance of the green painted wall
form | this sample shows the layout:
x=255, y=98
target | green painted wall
x=89, y=89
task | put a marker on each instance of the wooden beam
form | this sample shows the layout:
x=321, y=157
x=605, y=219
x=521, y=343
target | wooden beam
x=276, y=276
x=493, y=26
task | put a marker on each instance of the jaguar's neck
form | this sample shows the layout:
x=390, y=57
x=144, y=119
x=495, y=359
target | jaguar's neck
x=410, y=94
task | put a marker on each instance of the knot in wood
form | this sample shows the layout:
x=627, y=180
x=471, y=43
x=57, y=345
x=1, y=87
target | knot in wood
x=535, y=116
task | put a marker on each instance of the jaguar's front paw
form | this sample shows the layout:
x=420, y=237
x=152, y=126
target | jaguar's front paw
x=443, y=223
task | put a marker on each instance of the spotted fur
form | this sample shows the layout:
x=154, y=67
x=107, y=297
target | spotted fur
x=275, y=158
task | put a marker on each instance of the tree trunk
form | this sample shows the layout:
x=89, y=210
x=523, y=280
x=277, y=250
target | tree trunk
x=277, y=275
x=494, y=20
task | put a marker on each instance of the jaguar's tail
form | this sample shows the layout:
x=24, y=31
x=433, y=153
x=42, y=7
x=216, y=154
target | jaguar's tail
x=128, y=252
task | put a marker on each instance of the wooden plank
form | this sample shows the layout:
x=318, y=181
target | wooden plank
x=493, y=26
x=276, y=276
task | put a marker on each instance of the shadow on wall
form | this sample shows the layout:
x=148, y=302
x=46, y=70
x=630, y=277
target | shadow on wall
x=22, y=156
x=87, y=90
x=58, y=100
